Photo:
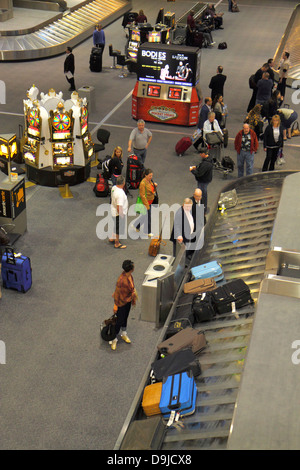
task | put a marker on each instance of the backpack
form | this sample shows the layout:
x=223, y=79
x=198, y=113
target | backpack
x=101, y=188
x=222, y=45
x=106, y=173
x=252, y=82
x=134, y=171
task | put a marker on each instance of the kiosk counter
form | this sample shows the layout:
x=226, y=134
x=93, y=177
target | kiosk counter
x=166, y=89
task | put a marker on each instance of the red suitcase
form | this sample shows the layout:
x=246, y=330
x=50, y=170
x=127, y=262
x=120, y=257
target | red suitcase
x=182, y=145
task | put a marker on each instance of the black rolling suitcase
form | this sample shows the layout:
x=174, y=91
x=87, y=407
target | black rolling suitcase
x=175, y=363
x=96, y=59
x=203, y=308
x=182, y=318
x=235, y=291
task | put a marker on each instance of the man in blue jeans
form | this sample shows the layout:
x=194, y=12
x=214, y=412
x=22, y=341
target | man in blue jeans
x=139, y=141
x=246, y=145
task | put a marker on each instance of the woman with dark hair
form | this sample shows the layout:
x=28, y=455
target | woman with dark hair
x=124, y=296
x=147, y=190
x=218, y=109
x=273, y=141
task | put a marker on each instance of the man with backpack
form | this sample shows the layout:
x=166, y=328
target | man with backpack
x=203, y=174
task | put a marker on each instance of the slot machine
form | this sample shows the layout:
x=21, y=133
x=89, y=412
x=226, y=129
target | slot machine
x=33, y=122
x=61, y=135
x=133, y=43
x=166, y=88
x=88, y=146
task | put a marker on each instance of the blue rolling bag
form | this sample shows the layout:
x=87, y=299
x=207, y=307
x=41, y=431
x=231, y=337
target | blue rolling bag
x=204, y=271
x=16, y=271
x=178, y=394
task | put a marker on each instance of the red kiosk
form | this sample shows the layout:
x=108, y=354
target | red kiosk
x=166, y=89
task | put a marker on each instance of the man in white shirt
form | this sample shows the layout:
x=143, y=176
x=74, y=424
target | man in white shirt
x=211, y=125
x=119, y=209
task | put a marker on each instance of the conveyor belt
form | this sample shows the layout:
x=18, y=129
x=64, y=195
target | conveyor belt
x=239, y=239
x=69, y=30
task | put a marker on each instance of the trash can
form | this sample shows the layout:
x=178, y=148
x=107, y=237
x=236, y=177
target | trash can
x=88, y=92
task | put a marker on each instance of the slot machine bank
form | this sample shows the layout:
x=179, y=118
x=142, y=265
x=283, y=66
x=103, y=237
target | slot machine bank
x=168, y=88
x=58, y=147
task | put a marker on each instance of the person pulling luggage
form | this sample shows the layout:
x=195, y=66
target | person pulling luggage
x=124, y=297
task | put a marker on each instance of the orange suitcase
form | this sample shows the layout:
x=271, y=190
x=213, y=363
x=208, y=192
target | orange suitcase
x=151, y=399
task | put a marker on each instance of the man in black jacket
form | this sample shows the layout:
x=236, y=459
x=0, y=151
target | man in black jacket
x=69, y=68
x=217, y=83
x=203, y=174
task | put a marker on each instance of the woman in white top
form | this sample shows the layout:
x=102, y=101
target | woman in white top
x=273, y=141
x=283, y=68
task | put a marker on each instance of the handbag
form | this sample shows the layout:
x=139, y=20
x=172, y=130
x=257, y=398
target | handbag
x=295, y=129
x=213, y=138
x=139, y=206
x=108, y=328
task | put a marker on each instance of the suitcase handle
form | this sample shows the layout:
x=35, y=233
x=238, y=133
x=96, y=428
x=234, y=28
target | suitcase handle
x=10, y=256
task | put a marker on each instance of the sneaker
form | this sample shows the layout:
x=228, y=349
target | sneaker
x=213, y=43
x=125, y=338
x=150, y=235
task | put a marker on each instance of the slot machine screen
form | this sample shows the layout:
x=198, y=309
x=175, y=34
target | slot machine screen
x=153, y=90
x=154, y=36
x=135, y=35
x=61, y=127
x=174, y=93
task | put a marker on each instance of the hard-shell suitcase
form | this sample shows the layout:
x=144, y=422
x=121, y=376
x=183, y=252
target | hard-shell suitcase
x=179, y=393
x=199, y=285
x=236, y=292
x=204, y=271
x=145, y=434
x=134, y=171
x=151, y=399
x=188, y=338
x=177, y=362
x=96, y=59
x=16, y=271
x=203, y=308
x=183, y=145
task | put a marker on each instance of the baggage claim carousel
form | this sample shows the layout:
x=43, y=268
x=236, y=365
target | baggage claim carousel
x=240, y=240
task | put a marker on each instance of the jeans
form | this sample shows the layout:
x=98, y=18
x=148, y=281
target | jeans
x=271, y=157
x=122, y=316
x=242, y=158
x=141, y=154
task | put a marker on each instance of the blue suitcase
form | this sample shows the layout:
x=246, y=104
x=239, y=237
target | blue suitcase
x=178, y=394
x=16, y=271
x=204, y=271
